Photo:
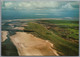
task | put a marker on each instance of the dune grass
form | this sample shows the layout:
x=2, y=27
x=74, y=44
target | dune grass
x=67, y=29
x=67, y=48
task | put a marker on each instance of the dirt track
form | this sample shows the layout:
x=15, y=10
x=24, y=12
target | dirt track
x=29, y=45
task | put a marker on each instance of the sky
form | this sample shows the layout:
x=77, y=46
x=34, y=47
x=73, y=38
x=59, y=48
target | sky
x=41, y=9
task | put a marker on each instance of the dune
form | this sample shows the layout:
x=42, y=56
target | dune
x=29, y=45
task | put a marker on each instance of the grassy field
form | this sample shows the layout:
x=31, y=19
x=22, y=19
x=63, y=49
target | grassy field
x=64, y=47
x=64, y=28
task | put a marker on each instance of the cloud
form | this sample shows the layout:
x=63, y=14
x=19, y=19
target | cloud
x=67, y=6
x=8, y=4
x=40, y=5
x=71, y=5
x=52, y=8
x=75, y=4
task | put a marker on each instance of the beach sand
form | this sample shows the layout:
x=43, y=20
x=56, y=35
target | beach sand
x=29, y=45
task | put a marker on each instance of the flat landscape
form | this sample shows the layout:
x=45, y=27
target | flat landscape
x=36, y=37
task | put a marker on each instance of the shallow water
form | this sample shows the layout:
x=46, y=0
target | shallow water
x=8, y=48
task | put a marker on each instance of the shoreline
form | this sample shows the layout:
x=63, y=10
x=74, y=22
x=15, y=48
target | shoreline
x=29, y=45
x=34, y=19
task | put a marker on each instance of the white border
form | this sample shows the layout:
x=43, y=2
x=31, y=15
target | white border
x=39, y=0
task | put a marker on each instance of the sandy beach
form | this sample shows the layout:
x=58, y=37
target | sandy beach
x=29, y=45
x=4, y=35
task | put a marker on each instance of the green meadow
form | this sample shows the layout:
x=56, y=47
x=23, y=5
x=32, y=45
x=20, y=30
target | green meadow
x=63, y=34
